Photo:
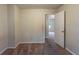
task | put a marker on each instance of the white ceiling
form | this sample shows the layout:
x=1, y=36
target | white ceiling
x=39, y=6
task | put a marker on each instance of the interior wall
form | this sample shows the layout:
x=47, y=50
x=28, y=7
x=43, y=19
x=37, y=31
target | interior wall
x=3, y=28
x=26, y=25
x=33, y=24
x=72, y=29
x=13, y=26
x=17, y=26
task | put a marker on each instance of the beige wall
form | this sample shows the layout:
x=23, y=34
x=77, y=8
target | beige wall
x=3, y=28
x=17, y=26
x=26, y=25
x=33, y=24
x=13, y=25
x=72, y=29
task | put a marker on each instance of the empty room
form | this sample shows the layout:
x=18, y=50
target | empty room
x=39, y=29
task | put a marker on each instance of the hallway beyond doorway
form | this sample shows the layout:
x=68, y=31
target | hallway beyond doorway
x=52, y=35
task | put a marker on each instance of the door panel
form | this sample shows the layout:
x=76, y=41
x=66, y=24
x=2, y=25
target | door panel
x=59, y=28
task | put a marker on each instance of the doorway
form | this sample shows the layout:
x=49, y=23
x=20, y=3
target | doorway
x=50, y=27
x=55, y=29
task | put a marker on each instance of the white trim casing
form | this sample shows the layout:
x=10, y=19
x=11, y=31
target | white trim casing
x=71, y=51
x=3, y=50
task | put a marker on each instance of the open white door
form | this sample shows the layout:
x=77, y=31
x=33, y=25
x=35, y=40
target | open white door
x=59, y=28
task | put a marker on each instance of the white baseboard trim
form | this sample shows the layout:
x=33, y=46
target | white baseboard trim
x=32, y=42
x=11, y=47
x=17, y=45
x=3, y=50
x=14, y=47
x=23, y=43
x=71, y=51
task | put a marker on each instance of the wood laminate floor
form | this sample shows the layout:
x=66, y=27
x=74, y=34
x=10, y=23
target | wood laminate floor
x=37, y=49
